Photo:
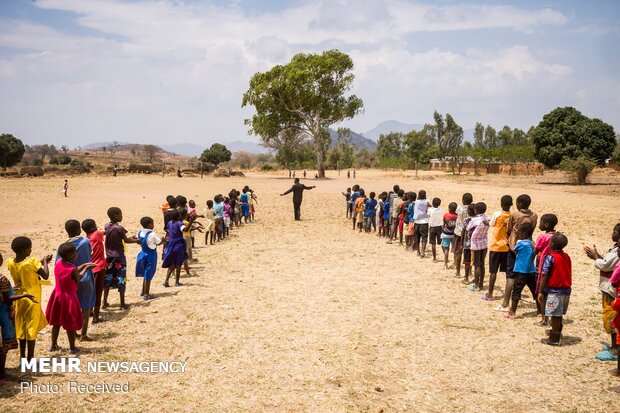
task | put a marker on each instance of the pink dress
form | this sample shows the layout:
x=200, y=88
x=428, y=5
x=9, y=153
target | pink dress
x=63, y=307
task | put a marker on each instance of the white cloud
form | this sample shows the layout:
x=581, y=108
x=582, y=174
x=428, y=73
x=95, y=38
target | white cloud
x=172, y=70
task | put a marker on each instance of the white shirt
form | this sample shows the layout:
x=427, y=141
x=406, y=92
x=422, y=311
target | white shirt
x=152, y=241
x=436, y=219
x=420, y=211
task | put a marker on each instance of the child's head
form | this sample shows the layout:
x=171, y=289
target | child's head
x=480, y=208
x=217, y=199
x=168, y=198
x=115, y=214
x=406, y=197
x=72, y=227
x=192, y=204
x=67, y=252
x=525, y=230
x=175, y=215
x=362, y=193
x=558, y=242
x=523, y=201
x=422, y=194
x=396, y=189
x=400, y=192
x=348, y=189
x=21, y=246
x=467, y=198
x=413, y=196
x=356, y=187
x=548, y=222
x=147, y=222
x=471, y=210
x=209, y=204
x=615, y=235
x=226, y=200
x=181, y=201
x=436, y=202
x=172, y=202
x=506, y=202
x=89, y=226
x=452, y=207
x=372, y=195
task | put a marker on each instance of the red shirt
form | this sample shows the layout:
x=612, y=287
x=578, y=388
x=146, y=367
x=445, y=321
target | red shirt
x=97, y=255
x=561, y=273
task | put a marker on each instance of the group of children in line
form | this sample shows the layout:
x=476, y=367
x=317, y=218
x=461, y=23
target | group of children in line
x=87, y=267
x=465, y=230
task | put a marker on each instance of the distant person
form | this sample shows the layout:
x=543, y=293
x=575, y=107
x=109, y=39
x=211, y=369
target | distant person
x=316, y=176
x=348, y=174
x=293, y=174
x=289, y=173
x=179, y=173
x=65, y=188
x=354, y=174
x=297, y=189
x=304, y=173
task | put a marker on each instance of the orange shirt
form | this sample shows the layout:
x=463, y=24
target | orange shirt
x=359, y=204
x=498, y=239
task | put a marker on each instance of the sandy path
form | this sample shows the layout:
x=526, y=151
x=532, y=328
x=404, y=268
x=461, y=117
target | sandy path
x=311, y=316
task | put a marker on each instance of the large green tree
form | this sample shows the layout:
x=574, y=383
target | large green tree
x=216, y=154
x=11, y=150
x=565, y=133
x=307, y=94
x=419, y=145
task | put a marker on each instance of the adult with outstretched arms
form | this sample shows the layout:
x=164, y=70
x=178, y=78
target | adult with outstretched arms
x=298, y=190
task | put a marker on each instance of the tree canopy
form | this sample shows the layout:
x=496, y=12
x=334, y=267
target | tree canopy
x=216, y=154
x=11, y=150
x=567, y=133
x=308, y=94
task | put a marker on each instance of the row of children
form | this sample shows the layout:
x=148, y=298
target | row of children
x=464, y=229
x=86, y=267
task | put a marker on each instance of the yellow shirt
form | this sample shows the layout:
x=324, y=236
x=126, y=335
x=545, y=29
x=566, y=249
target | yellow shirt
x=498, y=240
x=187, y=231
x=29, y=317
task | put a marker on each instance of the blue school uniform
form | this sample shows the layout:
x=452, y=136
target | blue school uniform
x=146, y=261
x=386, y=210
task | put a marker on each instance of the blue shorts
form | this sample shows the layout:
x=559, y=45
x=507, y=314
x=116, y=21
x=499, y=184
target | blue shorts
x=556, y=305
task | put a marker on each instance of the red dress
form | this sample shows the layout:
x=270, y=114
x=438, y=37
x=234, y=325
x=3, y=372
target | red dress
x=63, y=307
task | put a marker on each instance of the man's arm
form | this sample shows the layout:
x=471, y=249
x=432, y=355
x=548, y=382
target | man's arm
x=287, y=192
x=309, y=187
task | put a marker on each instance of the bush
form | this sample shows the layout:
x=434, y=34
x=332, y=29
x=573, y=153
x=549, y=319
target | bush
x=580, y=168
x=60, y=160
x=267, y=167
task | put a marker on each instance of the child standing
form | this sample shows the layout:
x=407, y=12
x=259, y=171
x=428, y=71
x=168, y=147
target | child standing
x=421, y=223
x=86, y=291
x=394, y=211
x=354, y=196
x=386, y=216
x=471, y=212
x=245, y=207
x=518, y=217
x=379, y=213
x=146, y=261
x=210, y=222
x=548, y=223
x=447, y=231
x=556, y=283
x=227, y=215
x=63, y=308
x=115, y=241
x=435, y=223
x=498, y=254
x=97, y=257
x=370, y=213
x=65, y=188
x=347, y=198
x=479, y=243
x=524, y=269
x=459, y=232
x=175, y=253
x=27, y=273
x=8, y=339
x=359, y=209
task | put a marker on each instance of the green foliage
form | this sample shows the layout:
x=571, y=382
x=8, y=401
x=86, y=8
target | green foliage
x=566, y=133
x=267, y=167
x=216, y=154
x=11, y=150
x=366, y=159
x=344, y=143
x=479, y=135
x=43, y=151
x=579, y=167
x=419, y=146
x=490, y=137
x=60, y=160
x=307, y=95
x=390, y=146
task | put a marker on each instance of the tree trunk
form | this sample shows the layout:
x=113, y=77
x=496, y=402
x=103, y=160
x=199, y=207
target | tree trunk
x=320, y=155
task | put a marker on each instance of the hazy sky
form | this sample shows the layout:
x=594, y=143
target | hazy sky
x=81, y=71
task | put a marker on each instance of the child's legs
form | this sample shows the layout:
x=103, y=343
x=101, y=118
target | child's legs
x=2, y=363
x=31, y=345
x=510, y=264
x=480, y=267
x=71, y=337
x=106, y=291
x=556, y=324
x=99, y=283
x=55, y=332
x=177, y=274
x=85, y=319
x=147, y=287
x=22, y=348
x=520, y=281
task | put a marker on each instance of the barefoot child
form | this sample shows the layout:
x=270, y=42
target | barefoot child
x=447, y=231
x=556, y=284
x=97, y=257
x=524, y=269
x=27, y=273
x=175, y=253
x=63, y=308
x=8, y=340
x=210, y=222
x=498, y=254
x=146, y=261
x=115, y=240
x=86, y=291
x=435, y=223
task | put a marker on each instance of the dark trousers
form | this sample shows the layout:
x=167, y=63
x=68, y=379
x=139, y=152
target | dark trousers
x=297, y=209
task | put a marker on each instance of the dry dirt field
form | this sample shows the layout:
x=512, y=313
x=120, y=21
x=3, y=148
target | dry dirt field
x=311, y=316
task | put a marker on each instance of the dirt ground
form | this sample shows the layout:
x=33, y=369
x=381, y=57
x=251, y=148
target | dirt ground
x=312, y=316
